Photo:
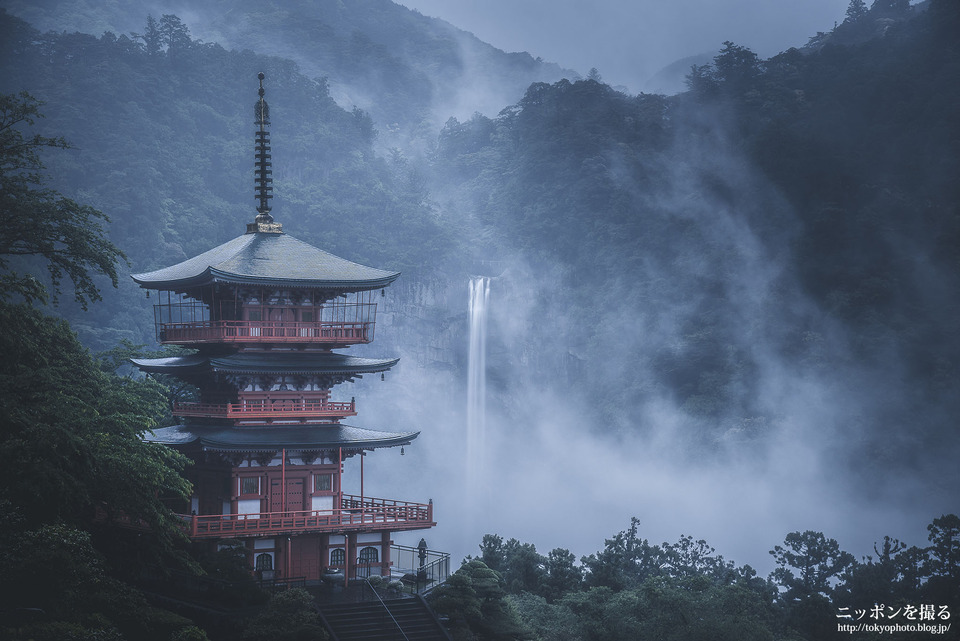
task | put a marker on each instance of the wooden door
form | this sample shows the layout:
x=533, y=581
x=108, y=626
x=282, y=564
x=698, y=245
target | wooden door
x=293, y=494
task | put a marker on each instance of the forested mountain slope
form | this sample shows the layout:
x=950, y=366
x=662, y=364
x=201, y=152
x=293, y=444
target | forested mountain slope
x=163, y=142
x=408, y=70
x=776, y=249
x=773, y=252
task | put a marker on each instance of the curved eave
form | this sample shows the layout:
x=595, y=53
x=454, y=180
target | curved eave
x=346, y=365
x=170, y=365
x=212, y=276
x=218, y=276
x=268, y=260
x=320, y=364
x=271, y=439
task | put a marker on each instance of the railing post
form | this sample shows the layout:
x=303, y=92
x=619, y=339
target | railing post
x=193, y=525
x=430, y=511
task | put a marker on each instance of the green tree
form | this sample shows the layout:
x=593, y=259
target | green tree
x=523, y=569
x=817, y=559
x=689, y=558
x=549, y=621
x=883, y=578
x=562, y=575
x=39, y=222
x=626, y=561
x=943, y=566
x=492, y=553
x=856, y=10
x=55, y=569
x=673, y=609
x=737, y=68
x=73, y=433
x=151, y=37
x=288, y=616
x=173, y=33
x=475, y=604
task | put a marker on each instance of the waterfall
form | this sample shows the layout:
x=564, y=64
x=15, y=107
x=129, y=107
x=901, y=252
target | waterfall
x=477, y=386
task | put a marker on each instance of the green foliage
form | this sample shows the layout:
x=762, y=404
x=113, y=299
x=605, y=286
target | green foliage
x=670, y=608
x=943, y=567
x=290, y=615
x=474, y=603
x=549, y=621
x=890, y=577
x=626, y=561
x=634, y=590
x=818, y=560
x=55, y=569
x=856, y=10
x=39, y=222
x=188, y=189
x=562, y=574
x=74, y=432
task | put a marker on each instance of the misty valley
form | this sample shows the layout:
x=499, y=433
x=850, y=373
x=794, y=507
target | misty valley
x=670, y=366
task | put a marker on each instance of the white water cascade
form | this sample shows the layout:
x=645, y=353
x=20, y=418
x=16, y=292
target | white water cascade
x=477, y=386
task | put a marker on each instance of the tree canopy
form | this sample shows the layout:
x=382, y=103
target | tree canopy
x=69, y=238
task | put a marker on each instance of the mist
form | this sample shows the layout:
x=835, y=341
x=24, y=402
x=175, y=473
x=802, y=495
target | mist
x=585, y=423
x=582, y=431
x=629, y=42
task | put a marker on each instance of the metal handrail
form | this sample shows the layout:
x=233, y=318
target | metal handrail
x=389, y=613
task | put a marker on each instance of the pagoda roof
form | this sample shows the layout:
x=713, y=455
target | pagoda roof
x=329, y=363
x=272, y=438
x=268, y=259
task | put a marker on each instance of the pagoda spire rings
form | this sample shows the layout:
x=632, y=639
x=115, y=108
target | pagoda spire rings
x=263, y=175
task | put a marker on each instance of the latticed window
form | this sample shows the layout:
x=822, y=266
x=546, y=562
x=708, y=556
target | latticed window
x=250, y=485
x=369, y=555
x=338, y=557
x=264, y=561
x=322, y=482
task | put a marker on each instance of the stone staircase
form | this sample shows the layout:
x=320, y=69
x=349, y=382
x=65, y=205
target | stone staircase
x=407, y=619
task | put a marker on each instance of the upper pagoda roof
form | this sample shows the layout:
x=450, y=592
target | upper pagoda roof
x=272, y=438
x=268, y=259
x=326, y=363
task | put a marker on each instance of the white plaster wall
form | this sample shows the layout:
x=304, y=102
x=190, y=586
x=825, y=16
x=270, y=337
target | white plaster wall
x=249, y=506
x=321, y=502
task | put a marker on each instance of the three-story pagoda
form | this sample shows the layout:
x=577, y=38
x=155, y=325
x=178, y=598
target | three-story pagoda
x=265, y=313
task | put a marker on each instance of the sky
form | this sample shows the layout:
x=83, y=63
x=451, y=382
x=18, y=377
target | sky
x=629, y=41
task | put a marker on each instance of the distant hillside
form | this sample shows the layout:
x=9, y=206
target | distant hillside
x=407, y=70
x=163, y=137
x=774, y=251
x=788, y=225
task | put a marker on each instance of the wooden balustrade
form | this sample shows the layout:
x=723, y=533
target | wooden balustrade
x=330, y=332
x=355, y=512
x=267, y=408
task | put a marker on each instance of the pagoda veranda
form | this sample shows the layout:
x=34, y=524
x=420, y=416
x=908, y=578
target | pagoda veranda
x=269, y=317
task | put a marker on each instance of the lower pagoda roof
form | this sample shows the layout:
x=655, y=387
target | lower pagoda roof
x=271, y=439
x=326, y=363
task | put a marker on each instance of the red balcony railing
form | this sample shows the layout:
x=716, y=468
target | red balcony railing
x=268, y=409
x=355, y=513
x=324, y=332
